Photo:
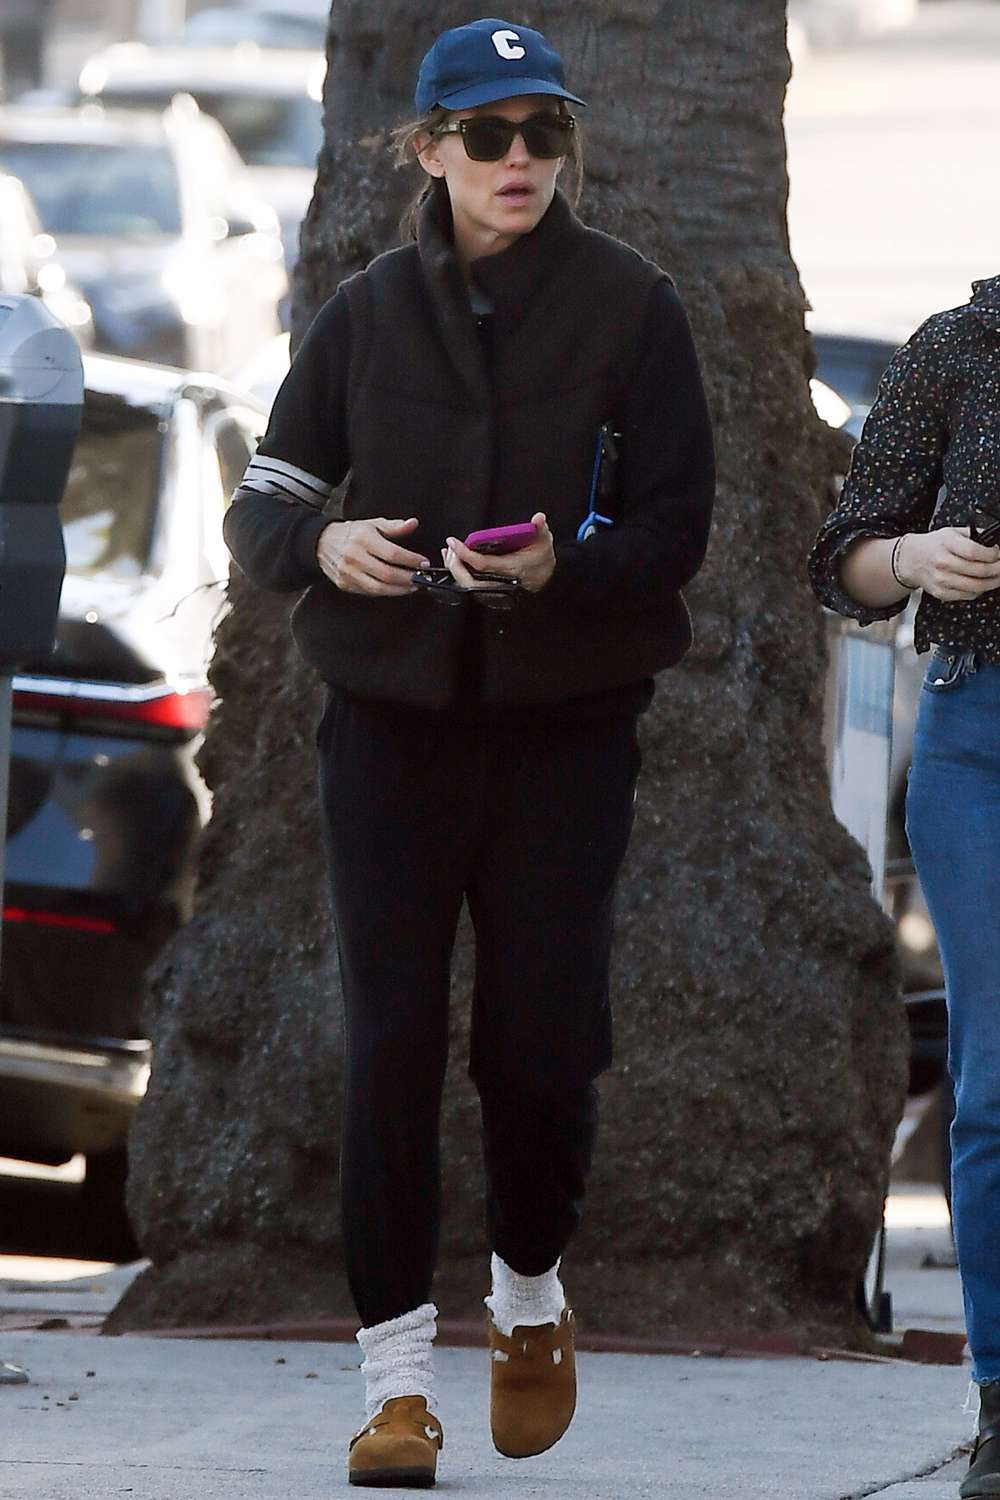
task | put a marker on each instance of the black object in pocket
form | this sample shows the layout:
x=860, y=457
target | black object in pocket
x=948, y=669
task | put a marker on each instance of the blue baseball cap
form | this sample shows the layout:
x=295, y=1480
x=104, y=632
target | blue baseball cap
x=488, y=60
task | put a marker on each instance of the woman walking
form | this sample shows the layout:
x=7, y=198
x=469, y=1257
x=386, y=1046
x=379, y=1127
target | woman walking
x=479, y=740
x=936, y=422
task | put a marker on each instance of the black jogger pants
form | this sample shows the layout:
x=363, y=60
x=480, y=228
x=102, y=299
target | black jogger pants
x=530, y=825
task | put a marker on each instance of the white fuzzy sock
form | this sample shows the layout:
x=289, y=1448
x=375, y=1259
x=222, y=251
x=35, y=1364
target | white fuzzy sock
x=399, y=1358
x=526, y=1300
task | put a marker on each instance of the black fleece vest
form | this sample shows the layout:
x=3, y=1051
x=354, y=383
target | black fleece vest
x=432, y=435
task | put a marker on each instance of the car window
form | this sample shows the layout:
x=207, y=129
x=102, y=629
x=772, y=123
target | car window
x=84, y=188
x=109, y=505
x=267, y=131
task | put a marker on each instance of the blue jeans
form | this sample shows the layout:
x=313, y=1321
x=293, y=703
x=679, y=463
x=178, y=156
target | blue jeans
x=953, y=823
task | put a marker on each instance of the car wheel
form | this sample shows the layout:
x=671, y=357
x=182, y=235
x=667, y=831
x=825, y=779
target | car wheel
x=105, y=1230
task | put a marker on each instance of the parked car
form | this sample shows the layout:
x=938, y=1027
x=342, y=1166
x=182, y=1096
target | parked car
x=269, y=104
x=157, y=221
x=848, y=371
x=29, y=262
x=233, y=25
x=852, y=367
x=105, y=804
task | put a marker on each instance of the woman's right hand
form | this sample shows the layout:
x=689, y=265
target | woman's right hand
x=948, y=564
x=360, y=557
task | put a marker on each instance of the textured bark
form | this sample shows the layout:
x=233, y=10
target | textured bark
x=761, y=1047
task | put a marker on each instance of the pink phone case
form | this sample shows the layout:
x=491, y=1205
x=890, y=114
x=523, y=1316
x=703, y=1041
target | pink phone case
x=498, y=539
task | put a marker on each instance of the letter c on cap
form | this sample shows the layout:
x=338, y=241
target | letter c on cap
x=502, y=42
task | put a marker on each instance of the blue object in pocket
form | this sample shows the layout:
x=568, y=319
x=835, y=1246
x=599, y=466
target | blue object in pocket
x=602, y=483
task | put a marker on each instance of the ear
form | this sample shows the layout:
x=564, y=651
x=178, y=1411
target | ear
x=428, y=155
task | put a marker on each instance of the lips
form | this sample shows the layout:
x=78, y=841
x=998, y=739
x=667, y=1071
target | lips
x=517, y=192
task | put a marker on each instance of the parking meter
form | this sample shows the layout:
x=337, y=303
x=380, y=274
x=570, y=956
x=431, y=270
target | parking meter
x=41, y=404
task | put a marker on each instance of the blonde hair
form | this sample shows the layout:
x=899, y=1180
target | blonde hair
x=405, y=151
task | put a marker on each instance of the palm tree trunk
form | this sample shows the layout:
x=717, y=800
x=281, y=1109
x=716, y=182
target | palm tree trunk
x=761, y=1048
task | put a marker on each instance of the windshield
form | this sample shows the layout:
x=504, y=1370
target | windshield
x=99, y=190
x=266, y=131
x=109, y=504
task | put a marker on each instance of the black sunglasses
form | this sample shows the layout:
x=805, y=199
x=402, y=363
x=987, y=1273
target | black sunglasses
x=490, y=137
x=493, y=592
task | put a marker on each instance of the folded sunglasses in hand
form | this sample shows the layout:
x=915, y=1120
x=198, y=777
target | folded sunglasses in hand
x=491, y=589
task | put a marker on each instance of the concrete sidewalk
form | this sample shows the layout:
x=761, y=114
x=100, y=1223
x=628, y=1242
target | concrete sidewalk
x=169, y=1419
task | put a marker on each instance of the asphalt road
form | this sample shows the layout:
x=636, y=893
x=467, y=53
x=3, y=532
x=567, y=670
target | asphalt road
x=895, y=173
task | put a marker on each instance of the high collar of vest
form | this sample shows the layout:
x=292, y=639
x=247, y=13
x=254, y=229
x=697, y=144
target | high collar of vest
x=512, y=277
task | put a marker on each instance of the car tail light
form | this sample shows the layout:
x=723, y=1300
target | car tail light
x=58, y=919
x=112, y=705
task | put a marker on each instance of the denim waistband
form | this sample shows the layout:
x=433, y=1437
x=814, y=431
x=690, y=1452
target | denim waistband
x=950, y=666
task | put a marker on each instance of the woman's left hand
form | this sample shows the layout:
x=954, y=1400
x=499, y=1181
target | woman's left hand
x=532, y=565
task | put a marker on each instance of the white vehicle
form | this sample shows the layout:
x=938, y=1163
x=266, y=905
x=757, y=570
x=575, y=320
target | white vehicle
x=29, y=262
x=268, y=102
x=157, y=222
x=269, y=26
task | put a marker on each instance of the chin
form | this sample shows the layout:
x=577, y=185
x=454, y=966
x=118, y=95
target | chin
x=523, y=217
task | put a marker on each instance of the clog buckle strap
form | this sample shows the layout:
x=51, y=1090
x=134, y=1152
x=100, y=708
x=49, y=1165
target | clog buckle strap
x=535, y=1343
x=426, y=1426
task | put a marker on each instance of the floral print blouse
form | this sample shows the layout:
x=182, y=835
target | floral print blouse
x=930, y=450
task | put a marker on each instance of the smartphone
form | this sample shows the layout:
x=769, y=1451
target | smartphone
x=984, y=527
x=498, y=539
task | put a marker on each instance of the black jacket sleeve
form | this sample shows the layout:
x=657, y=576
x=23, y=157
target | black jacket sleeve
x=276, y=516
x=667, y=477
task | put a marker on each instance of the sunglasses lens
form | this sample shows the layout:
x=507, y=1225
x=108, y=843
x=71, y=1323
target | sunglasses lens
x=489, y=139
x=547, y=136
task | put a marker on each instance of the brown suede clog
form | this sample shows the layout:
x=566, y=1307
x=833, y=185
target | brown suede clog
x=397, y=1447
x=532, y=1386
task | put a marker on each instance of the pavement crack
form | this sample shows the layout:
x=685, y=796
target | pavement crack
x=926, y=1473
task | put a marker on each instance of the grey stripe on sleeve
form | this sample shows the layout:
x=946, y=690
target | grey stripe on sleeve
x=272, y=476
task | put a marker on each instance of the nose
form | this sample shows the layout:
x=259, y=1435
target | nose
x=518, y=152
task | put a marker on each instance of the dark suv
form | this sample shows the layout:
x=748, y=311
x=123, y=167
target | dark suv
x=105, y=803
